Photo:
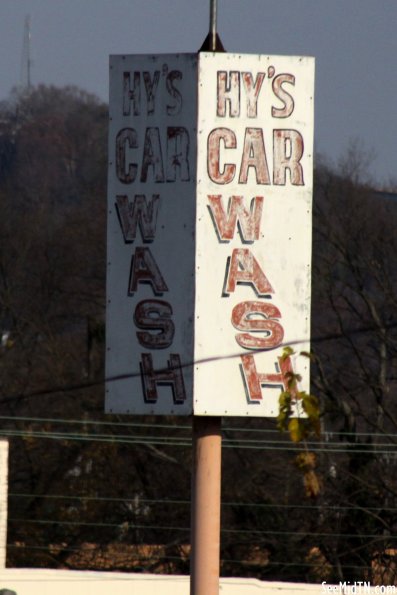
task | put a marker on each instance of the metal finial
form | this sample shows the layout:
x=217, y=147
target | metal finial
x=212, y=43
x=213, y=17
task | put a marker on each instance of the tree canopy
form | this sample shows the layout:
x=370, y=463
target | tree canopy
x=95, y=491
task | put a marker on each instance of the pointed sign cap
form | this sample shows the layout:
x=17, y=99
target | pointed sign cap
x=208, y=44
x=212, y=42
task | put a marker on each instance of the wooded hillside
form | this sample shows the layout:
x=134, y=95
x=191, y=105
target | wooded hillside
x=95, y=491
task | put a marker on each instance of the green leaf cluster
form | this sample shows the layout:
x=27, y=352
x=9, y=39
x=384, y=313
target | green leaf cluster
x=299, y=428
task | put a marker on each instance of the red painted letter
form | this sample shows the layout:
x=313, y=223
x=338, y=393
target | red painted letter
x=145, y=270
x=228, y=93
x=139, y=210
x=283, y=96
x=254, y=381
x=244, y=268
x=154, y=315
x=256, y=317
x=124, y=137
x=171, y=376
x=254, y=155
x=249, y=221
x=252, y=91
x=287, y=153
x=214, y=169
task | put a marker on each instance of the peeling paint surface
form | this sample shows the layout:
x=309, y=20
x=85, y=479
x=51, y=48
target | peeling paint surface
x=209, y=232
x=151, y=223
x=253, y=244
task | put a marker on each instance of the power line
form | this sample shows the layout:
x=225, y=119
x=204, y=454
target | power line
x=93, y=422
x=244, y=444
x=335, y=446
x=92, y=384
x=126, y=526
x=188, y=427
x=172, y=502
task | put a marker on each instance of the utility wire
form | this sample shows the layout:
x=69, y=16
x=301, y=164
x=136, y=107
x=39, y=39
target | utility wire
x=186, y=427
x=244, y=444
x=126, y=526
x=70, y=388
x=165, y=502
x=94, y=422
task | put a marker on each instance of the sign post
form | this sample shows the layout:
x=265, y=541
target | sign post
x=209, y=249
x=207, y=461
x=206, y=506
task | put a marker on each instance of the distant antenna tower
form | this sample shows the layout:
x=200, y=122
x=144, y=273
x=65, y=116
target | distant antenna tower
x=26, y=63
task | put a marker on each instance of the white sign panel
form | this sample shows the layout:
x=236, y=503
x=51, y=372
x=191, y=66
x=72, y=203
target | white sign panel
x=151, y=228
x=253, y=234
x=209, y=234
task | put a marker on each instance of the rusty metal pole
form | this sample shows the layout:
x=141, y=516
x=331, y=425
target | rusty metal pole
x=207, y=460
x=206, y=506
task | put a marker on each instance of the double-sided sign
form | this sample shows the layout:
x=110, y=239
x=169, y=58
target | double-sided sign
x=209, y=232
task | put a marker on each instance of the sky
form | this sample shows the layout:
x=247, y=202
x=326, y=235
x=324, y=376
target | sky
x=354, y=43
